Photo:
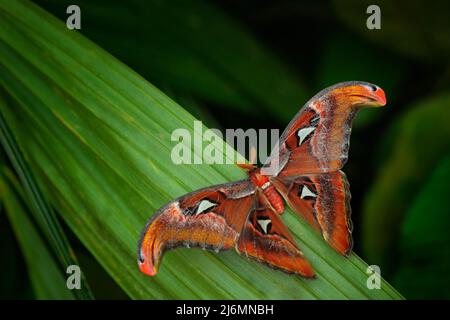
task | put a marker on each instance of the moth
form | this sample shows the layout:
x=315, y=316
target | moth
x=246, y=214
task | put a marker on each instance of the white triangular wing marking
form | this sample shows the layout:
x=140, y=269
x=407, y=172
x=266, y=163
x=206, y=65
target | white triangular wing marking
x=303, y=133
x=205, y=205
x=307, y=193
x=264, y=223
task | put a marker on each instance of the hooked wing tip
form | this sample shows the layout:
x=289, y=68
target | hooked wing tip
x=379, y=93
x=148, y=268
x=305, y=270
x=147, y=264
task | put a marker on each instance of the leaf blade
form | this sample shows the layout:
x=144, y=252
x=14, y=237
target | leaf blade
x=110, y=130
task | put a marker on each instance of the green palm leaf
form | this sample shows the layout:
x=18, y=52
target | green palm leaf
x=41, y=210
x=45, y=275
x=97, y=136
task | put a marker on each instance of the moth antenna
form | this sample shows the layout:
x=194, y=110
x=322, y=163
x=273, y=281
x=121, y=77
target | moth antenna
x=245, y=166
x=251, y=165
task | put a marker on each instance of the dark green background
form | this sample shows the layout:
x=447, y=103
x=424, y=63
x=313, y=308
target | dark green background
x=252, y=64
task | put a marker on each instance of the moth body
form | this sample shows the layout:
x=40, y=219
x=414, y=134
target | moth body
x=270, y=194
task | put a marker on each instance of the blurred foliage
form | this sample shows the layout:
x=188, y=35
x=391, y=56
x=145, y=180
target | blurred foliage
x=417, y=143
x=253, y=64
x=14, y=279
x=45, y=274
x=41, y=209
x=424, y=247
x=417, y=29
x=204, y=53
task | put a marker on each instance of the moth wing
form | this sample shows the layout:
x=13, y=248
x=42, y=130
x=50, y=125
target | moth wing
x=267, y=240
x=318, y=137
x=210, y=218
x=323, y=200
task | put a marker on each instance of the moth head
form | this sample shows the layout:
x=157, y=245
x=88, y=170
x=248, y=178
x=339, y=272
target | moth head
x=358, y=94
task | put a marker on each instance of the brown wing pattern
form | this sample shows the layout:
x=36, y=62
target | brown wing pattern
x=305, y=169
x=317, y=139
x=312, y=150
x=219, y=218
x=266, y=239
x=323, y=200
x=210, y=218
